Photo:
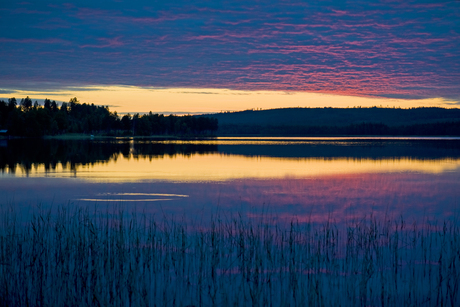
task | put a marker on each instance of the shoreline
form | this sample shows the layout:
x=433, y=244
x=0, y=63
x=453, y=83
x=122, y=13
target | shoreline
x=82, y=136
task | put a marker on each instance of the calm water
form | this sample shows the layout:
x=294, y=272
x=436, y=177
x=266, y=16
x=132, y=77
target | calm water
x=311, y=179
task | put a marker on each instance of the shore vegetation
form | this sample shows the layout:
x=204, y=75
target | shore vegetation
x=75, y=257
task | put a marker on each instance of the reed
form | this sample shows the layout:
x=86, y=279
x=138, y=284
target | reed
x=75, y=257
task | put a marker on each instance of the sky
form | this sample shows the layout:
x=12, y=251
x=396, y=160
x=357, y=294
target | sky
x=211, y=56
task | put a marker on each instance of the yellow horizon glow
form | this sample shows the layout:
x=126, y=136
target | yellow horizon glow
x=133, y=99
x=223, y=167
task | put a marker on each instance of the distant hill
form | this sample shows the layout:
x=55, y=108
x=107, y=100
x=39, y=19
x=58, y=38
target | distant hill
x=347, y=121
x=338, y=116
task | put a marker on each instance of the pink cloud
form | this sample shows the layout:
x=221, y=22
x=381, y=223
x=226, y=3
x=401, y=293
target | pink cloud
x=106, y=43
x=117, y=17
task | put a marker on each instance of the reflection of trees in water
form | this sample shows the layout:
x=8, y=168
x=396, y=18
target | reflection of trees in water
x=27, y=154
x=370, y=149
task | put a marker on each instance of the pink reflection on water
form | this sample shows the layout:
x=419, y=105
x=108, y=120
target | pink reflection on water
x=339, y=198
x=344, y=198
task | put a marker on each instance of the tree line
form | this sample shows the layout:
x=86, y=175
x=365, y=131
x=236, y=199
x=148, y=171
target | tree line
x=340, y=117
x=25, y=118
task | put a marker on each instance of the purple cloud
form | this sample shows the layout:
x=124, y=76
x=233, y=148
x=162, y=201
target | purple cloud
x=106, y=43
x=387, y=49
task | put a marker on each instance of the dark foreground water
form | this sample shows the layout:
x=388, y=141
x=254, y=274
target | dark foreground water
x=309, y=179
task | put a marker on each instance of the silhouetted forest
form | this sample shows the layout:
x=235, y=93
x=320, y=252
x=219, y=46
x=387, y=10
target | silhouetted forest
x=340, y=121
x=34, y=120
x=25, y=118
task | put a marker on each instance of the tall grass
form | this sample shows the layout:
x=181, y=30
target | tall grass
x=81, y=258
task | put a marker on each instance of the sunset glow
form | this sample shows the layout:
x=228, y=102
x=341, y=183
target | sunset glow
x=207, y=57
x=230, y=153
x=131, y=99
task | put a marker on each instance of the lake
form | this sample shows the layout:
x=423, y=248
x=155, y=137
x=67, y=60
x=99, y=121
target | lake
x=307, y=179
x=230, y=222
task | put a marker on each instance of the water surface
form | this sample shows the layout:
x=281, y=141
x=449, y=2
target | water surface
x=310, y=179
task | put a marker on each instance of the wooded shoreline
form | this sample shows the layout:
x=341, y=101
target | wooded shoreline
x=35, y=120
x=81, y=120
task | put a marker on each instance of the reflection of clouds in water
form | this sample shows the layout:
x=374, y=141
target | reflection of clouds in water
x=121, y=197
x=145, y=194
x=227, y=159
x=316, y=198
x=222, y=167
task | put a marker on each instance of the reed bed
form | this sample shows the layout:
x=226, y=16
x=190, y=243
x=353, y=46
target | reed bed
x=74, y=257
